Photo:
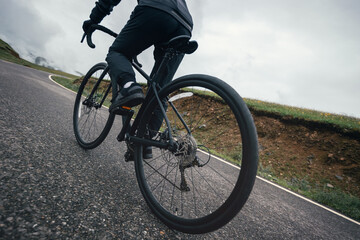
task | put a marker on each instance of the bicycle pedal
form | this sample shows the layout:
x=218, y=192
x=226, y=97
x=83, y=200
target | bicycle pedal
x=129, y=156
x=123, y=110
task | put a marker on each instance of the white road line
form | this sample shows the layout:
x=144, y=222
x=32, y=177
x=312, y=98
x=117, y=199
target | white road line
x=50, y=77
x=287, y=190
x=263, y=179
x=67, y=88
x=310, y=201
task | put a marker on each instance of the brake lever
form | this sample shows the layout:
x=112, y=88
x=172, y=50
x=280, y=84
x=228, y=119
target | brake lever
x=91, y=30
x=83, y=37
x=88, y=39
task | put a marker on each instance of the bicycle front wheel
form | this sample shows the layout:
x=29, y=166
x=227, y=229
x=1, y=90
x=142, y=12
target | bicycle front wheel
x=92, y=121
x=204, y=182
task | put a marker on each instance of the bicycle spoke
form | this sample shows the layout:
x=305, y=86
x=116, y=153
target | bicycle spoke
x=164, y=177
x=92, y=122
x=187, y=183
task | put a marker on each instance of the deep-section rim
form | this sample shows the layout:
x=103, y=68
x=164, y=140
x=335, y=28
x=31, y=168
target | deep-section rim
x=247, y=173
x=108, y=125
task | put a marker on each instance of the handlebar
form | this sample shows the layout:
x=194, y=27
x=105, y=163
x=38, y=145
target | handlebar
x=92, y=28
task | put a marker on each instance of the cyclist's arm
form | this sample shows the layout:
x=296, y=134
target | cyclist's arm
x=102, y=8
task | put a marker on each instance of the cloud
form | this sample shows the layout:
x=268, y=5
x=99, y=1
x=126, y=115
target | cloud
x=300, y=53
x=25, y=28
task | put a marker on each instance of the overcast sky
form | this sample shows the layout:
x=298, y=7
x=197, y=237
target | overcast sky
x=299, y=53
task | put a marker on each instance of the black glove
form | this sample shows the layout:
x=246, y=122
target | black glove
x=87, y=26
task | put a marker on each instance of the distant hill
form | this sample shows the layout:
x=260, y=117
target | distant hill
x=9, y=54
x=43, y=62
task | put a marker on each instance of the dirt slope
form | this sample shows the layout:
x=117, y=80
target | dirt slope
x=299, y=153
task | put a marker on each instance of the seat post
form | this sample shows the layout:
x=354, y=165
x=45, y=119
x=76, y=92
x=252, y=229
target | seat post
x=159, y=74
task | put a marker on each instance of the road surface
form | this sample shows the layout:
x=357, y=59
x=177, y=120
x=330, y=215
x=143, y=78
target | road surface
x=52, y=189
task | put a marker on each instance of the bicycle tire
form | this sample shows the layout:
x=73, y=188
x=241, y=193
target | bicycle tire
x=213, y=200
x=91, y=120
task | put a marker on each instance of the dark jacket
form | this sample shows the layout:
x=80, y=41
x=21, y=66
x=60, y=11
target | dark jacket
x=177, y=8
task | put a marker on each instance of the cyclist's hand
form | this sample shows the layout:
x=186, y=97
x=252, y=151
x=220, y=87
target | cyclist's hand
x=88, y=30
x=87, y=26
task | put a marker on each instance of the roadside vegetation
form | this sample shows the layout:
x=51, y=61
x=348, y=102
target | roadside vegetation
x=341, y=123
x=312, y=153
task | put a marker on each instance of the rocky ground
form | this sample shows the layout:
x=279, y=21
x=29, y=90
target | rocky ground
x=319, y=156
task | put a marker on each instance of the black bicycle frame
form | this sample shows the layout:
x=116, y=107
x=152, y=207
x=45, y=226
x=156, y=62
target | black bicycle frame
x=97, y=85
x=153, y=83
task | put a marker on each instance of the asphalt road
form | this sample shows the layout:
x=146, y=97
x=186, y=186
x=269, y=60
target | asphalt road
x=52, y=189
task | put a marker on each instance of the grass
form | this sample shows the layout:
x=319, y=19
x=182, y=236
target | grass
x=336, y=199
x=341, y=123
x=66, y=82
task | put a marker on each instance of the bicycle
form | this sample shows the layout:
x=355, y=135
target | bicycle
x=187, y=183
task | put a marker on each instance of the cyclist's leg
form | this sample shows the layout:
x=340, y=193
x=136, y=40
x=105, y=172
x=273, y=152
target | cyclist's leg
x=146, y=27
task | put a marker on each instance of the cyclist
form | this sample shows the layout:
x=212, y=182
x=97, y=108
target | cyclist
x=152, y=22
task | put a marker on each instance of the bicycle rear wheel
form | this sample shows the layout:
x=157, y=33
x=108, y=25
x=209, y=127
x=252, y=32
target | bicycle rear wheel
x=91, y=120
x=204, y=183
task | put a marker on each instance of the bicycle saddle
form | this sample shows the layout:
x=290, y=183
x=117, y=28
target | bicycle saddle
x=182, y=44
